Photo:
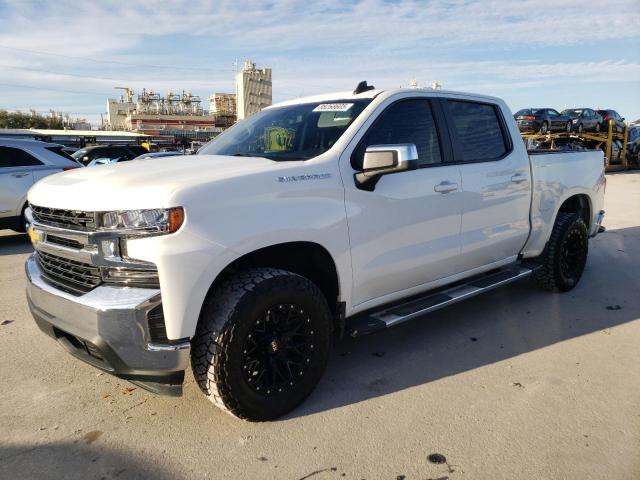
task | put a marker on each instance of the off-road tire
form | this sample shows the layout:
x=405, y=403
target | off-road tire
x=228, y=316
x=569, y=230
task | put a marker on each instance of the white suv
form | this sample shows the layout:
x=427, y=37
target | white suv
x=22, y=163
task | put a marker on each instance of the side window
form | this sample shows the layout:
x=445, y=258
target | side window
x=407, y=121
x=552, y=113
x=15, y=157
x=479, y=132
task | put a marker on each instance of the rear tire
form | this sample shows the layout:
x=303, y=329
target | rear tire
x=565, y=255
x=544, y=128
x=262, y=343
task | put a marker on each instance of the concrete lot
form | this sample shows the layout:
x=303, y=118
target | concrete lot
x=517, y=384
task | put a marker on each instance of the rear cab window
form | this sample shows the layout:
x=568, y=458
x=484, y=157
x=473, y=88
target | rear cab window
x=478, y=130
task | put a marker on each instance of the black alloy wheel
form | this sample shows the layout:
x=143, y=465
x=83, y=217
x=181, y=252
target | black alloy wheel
x=277, y=349
x=574, y=255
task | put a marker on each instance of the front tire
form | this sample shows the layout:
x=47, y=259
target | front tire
x=580, y=128
x=565, y=256
x=568, y=127
x=598, y=127
x=262, y=343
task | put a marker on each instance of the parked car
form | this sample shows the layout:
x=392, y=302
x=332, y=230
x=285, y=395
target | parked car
x=123, y=152
x=613, y=117
x=345, y=213
x=584, y=119
x=69, y=150
x=633, y=144
x=158, y=155
x=22, y=163
x=542, y=120
x=108, y=161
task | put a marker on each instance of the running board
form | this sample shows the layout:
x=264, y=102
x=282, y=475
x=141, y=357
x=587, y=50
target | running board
x=390, y=316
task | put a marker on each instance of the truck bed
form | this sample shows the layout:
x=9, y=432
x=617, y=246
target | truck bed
x=557, y=175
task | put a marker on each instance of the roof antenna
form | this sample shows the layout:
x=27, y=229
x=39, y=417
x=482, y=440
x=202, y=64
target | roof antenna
x=363, y=87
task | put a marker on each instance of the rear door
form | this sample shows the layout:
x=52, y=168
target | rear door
x=556, y=122
x=404, y=233
x=496, y=183
x=16, y=177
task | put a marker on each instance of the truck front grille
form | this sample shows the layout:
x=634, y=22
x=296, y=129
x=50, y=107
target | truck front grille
x=72, y=219
x=68, y=275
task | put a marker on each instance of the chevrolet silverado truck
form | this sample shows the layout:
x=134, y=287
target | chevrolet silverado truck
x=324, y=216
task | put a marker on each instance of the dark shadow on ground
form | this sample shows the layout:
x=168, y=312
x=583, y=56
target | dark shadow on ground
x=15, y=243
x=77, y=460
x=490, y=328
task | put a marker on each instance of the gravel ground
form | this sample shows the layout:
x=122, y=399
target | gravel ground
x=515, y=384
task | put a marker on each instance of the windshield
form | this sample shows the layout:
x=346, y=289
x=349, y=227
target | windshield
x=572, y=112
x=295, y=132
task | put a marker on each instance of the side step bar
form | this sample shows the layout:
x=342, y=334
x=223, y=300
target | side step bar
x=389, y=316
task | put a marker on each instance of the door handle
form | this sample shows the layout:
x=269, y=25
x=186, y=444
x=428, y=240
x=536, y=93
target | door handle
x=445, y=187
x=20, y=174
x=519, y=178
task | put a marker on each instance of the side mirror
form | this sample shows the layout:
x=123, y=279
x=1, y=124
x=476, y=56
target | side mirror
x=382, y=160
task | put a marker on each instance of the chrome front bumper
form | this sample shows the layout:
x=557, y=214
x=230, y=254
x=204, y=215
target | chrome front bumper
x=107, y=328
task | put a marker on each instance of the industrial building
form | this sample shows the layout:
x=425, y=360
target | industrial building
x=183, y=116
x=253, y=89
x=223, y=107
x=176, y=115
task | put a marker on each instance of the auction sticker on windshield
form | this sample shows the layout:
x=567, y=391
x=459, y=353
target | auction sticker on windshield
x=333, y=107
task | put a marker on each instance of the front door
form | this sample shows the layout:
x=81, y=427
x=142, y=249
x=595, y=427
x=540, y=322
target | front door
x=404, y=233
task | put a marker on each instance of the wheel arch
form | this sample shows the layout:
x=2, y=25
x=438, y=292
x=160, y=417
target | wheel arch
x=308, y=259
x=578, y=203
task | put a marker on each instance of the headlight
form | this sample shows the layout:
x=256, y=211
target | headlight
x=151, y=221
x=575, y=120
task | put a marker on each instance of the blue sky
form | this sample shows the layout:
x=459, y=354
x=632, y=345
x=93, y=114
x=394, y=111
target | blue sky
x=69, y=55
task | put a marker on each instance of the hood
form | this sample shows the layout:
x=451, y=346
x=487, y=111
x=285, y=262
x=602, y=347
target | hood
x=145, y=183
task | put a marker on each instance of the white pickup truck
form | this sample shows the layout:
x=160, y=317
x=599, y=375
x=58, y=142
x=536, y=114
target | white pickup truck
x=343, y=213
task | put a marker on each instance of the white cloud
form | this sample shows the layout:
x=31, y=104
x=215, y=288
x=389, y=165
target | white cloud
x=312, y=46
